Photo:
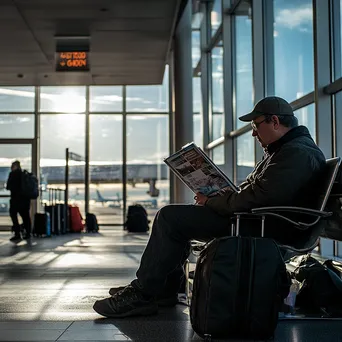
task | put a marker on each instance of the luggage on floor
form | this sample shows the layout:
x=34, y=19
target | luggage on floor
x=42, y=224
x=60, y=210
x=57, y=211
x=76, y=224
x=91, y=223
x=240, y=284
x=51, y=210
x=321, y=286
x=137, y=220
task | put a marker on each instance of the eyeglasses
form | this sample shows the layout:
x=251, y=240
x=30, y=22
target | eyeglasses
x=255, y=125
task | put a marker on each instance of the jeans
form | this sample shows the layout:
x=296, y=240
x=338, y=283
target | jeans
x=161, y=267
x=23, y=209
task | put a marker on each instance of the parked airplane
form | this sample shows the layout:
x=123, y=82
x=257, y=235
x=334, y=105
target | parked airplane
x=116, y=201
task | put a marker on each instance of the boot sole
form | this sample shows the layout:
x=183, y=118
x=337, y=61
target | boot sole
x=136, y=312
x=16, y=241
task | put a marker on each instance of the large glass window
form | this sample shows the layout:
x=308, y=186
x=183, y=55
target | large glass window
x=105, y=99
x=8, y=154
x=58, y=132
x=338, y=121
x=17, y=99
x=245, y=156
x=149, y=98
x=216, y=16
x=106, y=168
x=306, y=117
x=197, y=108
x=293, y=48
x=218, y=155
x=196, y=47
x=17, y=126
x=147, y=174
x=244, y=97
x=63, y=99
x=197, y=94
x=337, y=32
x=217, y=93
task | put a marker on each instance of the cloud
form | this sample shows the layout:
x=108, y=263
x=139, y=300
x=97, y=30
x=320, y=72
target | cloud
x=107, y=99
x=295, y=17
x=131, y=99
x=16, y=92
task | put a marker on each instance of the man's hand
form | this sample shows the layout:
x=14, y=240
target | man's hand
x=200, y=198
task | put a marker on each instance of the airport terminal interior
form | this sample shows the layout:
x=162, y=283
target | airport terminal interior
x=95, y=94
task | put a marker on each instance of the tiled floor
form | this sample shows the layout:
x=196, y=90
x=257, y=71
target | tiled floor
x=47, y=290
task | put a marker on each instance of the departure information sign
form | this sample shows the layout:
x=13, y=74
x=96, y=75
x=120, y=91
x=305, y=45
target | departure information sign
x=72, y=61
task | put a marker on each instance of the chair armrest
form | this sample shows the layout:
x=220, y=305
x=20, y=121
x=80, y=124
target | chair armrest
x=267, y=213
x=295, y=210
x=301, y=250
x=271, y=211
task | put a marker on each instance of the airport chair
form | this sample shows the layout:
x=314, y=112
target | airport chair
x=313, y=229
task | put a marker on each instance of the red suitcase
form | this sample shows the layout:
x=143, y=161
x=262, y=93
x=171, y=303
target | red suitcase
x=75, y=219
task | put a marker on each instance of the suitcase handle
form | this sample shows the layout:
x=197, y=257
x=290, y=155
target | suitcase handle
x=237, y=231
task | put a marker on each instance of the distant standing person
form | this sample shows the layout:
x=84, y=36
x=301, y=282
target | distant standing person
x=19, y=203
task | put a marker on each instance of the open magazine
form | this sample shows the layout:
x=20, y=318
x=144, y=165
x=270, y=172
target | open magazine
x=195, y=169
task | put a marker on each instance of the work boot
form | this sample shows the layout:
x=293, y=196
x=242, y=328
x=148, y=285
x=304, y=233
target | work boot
x=126, y=302
x=16, y=238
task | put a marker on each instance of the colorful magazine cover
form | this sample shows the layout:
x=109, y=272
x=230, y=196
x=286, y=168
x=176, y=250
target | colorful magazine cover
x=198, y=171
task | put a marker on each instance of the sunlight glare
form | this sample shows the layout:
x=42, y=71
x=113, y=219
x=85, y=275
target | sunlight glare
x=69, y=102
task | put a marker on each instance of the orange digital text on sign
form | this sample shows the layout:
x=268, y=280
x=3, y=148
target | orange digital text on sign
x=73, y=59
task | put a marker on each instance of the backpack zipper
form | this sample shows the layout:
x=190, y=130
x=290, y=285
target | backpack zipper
x=207, y=292
x=250, y=282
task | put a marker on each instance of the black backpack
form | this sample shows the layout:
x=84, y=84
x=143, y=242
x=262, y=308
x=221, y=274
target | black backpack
x=29, y=185
x=91, y=223
x=137, y=220
x=239, y=287
x=321, y=290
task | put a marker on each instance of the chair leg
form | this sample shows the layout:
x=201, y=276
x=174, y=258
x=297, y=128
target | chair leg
x=187, y=283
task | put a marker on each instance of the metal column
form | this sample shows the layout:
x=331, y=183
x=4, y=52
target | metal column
x=261, y=31
x=36, y=146
x=228, y=89
x=183, y=92
x=87, y=148
x=124, y=153
x=322, y=48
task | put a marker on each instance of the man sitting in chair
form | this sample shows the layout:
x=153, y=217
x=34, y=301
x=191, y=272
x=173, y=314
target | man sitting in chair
x=287, y=175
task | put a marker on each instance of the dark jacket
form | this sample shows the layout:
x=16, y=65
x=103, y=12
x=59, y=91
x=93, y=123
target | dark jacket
x=14, y=185
x=287, y=175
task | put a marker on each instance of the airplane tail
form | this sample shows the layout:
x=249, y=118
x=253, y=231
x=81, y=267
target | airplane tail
x=99, y=196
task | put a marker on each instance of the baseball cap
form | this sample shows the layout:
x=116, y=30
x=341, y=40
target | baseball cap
x=271, y=105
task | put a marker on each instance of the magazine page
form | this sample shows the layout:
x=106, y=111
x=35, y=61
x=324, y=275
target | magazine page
x=198, y=172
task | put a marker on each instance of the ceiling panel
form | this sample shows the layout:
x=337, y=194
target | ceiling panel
x=129, y=40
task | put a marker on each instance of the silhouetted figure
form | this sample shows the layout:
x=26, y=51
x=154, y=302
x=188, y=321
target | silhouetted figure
x=18, y=203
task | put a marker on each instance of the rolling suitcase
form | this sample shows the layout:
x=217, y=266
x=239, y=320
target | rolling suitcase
x=49, y=211
x=41, y=226
x=62, y=219
x=76, y=224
